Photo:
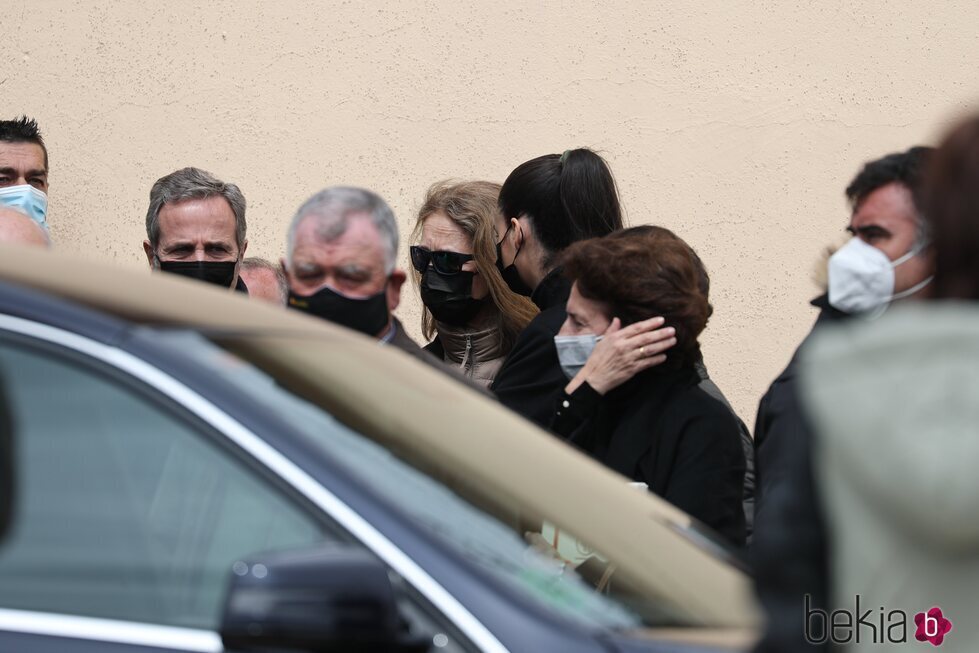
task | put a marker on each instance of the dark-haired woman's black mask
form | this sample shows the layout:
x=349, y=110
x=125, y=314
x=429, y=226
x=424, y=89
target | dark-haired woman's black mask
x=509, y=273
x=220, y=273
x=368, y=315
x=449, y=296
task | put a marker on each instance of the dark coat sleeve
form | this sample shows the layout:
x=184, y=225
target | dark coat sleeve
x=747, y=446
x=572, y=414
x=531, y=379
x=790, y=551
x=435, y=348
x=706, y=477
x=778, y=435
x=780, y=430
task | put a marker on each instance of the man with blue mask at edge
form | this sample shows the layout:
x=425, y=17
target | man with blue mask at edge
x=195, y=227
x=887, y=260
x=24, y=169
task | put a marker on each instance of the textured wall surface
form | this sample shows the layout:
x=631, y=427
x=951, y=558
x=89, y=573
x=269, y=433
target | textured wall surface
x=736, y=124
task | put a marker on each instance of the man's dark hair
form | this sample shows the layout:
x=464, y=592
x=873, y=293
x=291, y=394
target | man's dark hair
x=906, y=168
x=23, y=130
x=567, y=197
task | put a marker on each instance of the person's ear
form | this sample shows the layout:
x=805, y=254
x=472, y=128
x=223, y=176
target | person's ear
x=518, y=236
x=286, y=270
x=395, y=281
x=150, y=255
x=241, y=258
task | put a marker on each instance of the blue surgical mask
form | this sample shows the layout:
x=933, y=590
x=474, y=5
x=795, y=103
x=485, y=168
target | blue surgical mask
x=573, y=352
x=27, y=200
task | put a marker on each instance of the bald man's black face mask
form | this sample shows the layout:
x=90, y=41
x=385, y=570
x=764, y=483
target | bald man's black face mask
x=368, y=315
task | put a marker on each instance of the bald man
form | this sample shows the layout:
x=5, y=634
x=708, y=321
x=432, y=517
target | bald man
x=264, y=280
x=18, y=229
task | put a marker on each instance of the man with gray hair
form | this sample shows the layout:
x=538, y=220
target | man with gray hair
x=195, y=227
x=340, y=263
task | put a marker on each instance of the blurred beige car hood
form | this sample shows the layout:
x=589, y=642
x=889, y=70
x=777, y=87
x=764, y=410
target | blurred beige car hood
x=466, y=440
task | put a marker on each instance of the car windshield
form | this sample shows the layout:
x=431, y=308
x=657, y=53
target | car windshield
x=549, y=566
x=481, y=538
x=498, y=548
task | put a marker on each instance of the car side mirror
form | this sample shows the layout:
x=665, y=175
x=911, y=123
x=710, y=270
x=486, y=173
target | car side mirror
x=327, y=599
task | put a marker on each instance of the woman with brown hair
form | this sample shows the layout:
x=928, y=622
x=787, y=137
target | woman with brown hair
x=470, y=314
x=645, y=414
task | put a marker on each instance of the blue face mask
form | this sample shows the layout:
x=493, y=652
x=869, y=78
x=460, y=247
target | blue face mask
x=573, y=352
x=27, y=200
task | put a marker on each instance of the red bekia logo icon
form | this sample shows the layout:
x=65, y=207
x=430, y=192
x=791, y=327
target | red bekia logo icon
x=932, y=626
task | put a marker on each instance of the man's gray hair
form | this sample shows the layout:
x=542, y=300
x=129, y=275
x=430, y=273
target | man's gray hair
x=256, y=263
x=191, y=184
x=333, y=207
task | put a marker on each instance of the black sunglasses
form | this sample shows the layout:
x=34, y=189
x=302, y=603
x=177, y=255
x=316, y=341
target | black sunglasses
x=443, y=262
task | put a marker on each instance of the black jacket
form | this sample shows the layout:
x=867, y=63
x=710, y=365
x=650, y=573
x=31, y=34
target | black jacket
x=747, y=446
x=404, y=342
x=778, y=426
x=790, y=551
x=531, y=378
x=662, y=429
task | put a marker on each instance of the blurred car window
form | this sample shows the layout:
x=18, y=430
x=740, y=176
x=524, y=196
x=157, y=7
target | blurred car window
x=125, y=509
x=495, y=547
x=498, y=546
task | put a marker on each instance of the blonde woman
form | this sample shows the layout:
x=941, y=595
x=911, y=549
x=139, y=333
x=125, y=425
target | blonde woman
x=470, y=315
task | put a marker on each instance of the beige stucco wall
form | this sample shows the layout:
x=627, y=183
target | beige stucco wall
x=737, y=124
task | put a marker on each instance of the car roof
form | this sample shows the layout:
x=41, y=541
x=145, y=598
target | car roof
x=475, y=446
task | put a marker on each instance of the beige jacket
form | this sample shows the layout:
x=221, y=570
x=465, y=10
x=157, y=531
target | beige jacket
x=477, y=353
x=894, y=406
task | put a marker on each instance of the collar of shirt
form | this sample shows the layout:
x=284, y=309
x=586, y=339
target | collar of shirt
x=389, y=336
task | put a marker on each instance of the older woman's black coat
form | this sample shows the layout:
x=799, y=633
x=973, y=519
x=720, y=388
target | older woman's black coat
x=662, y=429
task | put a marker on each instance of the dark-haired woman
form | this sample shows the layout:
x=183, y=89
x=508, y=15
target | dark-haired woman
x=646, y=416
x=549, y=203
